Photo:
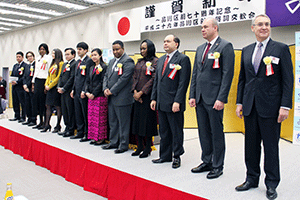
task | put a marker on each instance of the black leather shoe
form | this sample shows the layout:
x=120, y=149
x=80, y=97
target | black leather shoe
x=137, y=152
x=93, y=142
x=26, y=123
x=109, y=146
x=100, y=142
x=68, y=134
x=271, y=193
x=176, y=163
x=14, y=119
x=214, y=173
x=60, y=133
x=84, y=139
x=145, y=153
x=37, y=126
x=46, y=129
x=41, y=127
x=21, y=120
x=56, y=129
x=32, y=124
x=76, y=137
x=245, y=186
x=119, y=151
x=203, y=167
x=159, y=160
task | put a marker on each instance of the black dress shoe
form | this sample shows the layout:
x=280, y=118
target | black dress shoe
x=68, y=134
x=26, y=123
x=203, y=167
x=245, y=186
x=14, y=119
x=100, y=142
x=176, y=163
x=119, y=151
x=76, y=137
x=41, y=127
x=60, y=133
x=37, y=126
x=92, y=142
x=56, y=129
x=214, y=173
x=271, y=193
x=21, y=120
x=159, y=160
x=109, y=146
x=137, y=152
x=84, y=139
x=32, y=124
x=46, y=129
x=145, y=153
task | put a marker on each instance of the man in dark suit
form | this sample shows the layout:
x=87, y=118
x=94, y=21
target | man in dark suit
x=82, y=66
x=264, y=96
x=117, y=84
x=210, y=85
x=27, y=86
x=18, y=95
x=168, y=97
x=64, y=87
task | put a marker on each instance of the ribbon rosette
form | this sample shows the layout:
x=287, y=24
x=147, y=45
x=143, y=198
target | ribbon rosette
x=99, y=70
x=120, y=66
x=174, y=71
x=43, y=67
x=31, y=71
x=53, y=70
x=21, y=70
x=269, y=69
x=67, y=67
x=216, y=64
x=148, y=68
x=82, y=67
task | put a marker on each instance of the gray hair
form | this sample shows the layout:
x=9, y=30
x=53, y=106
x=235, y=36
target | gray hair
x=260, y=15
x=214, y=21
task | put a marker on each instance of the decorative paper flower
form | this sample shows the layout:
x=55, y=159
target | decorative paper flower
x=22, y=68
x=82, y=67
x=119, y=65
x=31, y=69
x=267, y=60
x=177, y=67
x=216, y=55
x=148, y=64
x=55, y=66
x=68, y=65
x=45, y=61
x=100, y=69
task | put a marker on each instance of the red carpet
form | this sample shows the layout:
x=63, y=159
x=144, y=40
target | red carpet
x=94, y=177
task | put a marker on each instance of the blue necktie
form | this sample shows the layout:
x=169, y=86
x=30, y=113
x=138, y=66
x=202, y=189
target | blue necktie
x=257, y=57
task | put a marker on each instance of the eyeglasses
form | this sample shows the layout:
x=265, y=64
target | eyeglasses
x=261, y=24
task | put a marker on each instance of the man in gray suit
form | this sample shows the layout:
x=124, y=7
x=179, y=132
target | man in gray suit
x=117, y=88
x=210, y=85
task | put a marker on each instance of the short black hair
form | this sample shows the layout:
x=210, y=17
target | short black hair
x=177, y=40
x=73, y=52
x=83, y=45
x=20, y=53
x=45, y=47
x=29, y=52
x=119, y=42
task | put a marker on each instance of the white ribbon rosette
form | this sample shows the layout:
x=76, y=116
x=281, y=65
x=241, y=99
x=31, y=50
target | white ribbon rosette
x=31, y=71
x=99, y=70
x=82, y=67
x=67, y=67
x=120, y=66
x=174, y=71
x=269, y=68
x=54, y=68
x=43, y=67
x=216, y=64
x=21, y=70
x=149, y=68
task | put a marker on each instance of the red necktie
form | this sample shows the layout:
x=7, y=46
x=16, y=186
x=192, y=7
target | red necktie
x=79, y=64
x=165, y=64
x=206, y=51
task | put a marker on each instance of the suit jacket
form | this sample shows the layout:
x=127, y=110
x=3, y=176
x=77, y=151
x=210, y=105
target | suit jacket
x=268, y=92
x=52, y=79
x=66, y=79
x=27, y=78
x=16, y=73
x=166, y=91
x=94, y=82
x=79, y=79
x=120, y=85
x=213, y=84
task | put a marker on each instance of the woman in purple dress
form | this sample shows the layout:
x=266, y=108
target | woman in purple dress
x=97, y=102
x=144, y=123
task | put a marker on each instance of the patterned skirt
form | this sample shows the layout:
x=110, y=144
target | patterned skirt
x=97, y=118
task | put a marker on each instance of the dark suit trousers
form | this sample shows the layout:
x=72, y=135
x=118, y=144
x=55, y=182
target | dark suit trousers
x=18, y=95
x=81, y=114
x=171, y=134
x=211, y=135
x=119, y=122
x=67, y=106
x=39, y=98
x=259, y=129
x=28, y=105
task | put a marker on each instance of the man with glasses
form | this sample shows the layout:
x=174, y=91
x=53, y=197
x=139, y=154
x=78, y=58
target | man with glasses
x=264, y=96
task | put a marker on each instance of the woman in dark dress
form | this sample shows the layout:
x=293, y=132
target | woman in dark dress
x=144, y=119
x=97, y=102
x=52, y=96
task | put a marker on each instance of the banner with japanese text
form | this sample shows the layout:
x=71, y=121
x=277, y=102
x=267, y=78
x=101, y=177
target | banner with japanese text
x=296, y=138
x=189, y=13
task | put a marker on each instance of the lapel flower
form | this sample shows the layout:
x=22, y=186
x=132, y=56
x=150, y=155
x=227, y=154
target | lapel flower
x=267, y=60
x=174, y=71
x=22, y=68
x=68, y=65
x=216, y=55
x=149, y=68
x=82, y=67
x=177, y=67
x=31, y=69
x=119, y=65
x=148, y=64
x=216, y=61
x=269, y=69
x=45, y=61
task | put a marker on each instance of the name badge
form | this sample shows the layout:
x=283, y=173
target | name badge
x=211, y=56
x=116, y=69
x=275, y=60
x=172, y=66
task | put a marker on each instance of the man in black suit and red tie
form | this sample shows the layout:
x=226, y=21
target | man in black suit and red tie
x=264, y=97
x=212, y=76
x=168, y=97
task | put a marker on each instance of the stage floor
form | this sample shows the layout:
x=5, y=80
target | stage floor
x=182, y=179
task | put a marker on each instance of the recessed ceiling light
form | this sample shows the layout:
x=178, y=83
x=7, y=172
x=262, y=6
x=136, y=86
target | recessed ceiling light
x=63, y=3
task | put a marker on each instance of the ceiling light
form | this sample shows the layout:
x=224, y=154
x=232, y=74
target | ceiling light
x=8, y=12
x=5, y=29
x=62, y=3
x=11, y=24
x=96, y=1
x=16, y=20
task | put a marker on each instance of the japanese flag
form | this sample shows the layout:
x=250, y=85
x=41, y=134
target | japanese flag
x=125, y=25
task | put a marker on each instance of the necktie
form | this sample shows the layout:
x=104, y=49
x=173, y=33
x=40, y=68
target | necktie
x=257, y=57
x=79, y=64
x=165, y=64
x=206, y=51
